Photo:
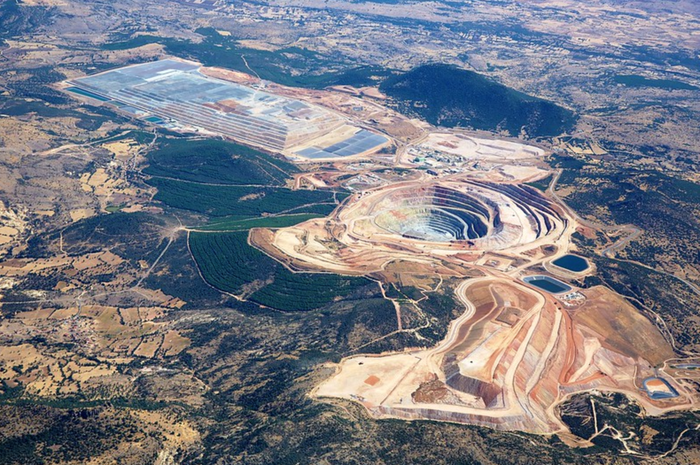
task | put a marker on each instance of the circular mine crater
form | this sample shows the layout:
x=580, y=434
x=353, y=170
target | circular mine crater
x=480, y=215
x=435, y=214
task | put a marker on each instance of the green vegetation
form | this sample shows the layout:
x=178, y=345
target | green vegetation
x=236, y=224
x=141, y=137
x=16, y=19
x=116, y=232
x=241, y=187
x=230, y=264
x=138, y=41
x=33, y=94
x=176, y=275
x=36, y=85
x=227, y=261
x=214, y=161
x=628, y=193
x=114, y=208
x=305, y=291
x=51, y=434
x=291, y=66
x=223, y=179
x=667, y=210
x=632, y=80
x=541, y=184
x=241, y=201
x=649, y=435
x=449, y=96
x=19, y=107
x=665, y=207
x=357, y=77
x=10, y=14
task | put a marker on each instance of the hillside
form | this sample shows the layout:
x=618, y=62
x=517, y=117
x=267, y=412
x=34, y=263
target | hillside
x=448, y=96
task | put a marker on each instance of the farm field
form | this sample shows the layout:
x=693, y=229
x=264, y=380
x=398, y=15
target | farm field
x=212, y=161
x=242, y=201
x=229, y=263
x=281, y=221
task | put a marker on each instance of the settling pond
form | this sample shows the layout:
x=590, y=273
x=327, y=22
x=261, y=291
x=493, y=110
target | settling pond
x=547, y=283
x=658, y=388
x=572, y=263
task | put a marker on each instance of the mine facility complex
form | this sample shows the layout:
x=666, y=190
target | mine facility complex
x=448, y=213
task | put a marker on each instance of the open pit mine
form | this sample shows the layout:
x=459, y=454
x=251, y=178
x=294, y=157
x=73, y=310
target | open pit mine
x=522, y=346
x=441, y=207
x=444, y=222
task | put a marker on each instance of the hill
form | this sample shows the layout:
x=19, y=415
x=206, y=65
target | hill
x=445, y=95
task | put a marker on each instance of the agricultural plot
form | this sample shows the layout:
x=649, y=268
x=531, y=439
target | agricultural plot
x=217, y=161
x=228, y=263
x=305, y=291
x=241, y=201
x=223, y=179
x=236, y=224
